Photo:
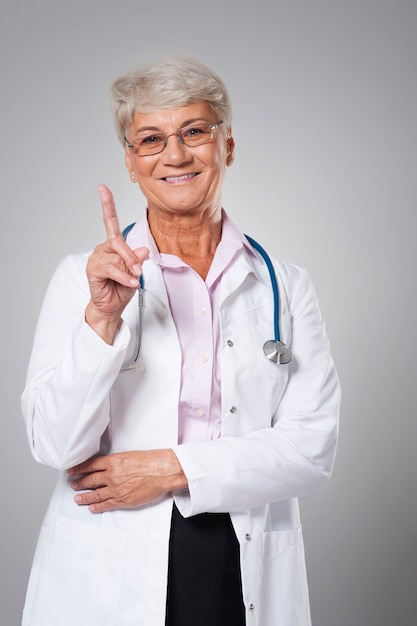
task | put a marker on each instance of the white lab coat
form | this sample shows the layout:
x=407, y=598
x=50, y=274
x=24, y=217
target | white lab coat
x=279, y=431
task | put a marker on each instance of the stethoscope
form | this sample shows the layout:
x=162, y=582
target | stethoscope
x=274, y=349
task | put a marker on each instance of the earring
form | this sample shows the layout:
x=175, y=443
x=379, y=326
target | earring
x=133, y=177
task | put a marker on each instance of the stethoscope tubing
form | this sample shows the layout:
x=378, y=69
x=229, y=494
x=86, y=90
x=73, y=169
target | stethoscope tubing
x=274, y=283
x=274, y=350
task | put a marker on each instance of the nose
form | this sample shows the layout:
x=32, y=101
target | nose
x=175, y=150
x=177, y=134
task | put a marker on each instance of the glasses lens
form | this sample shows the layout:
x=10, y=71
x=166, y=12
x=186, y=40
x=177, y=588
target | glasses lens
x=190, y=135
x=149, y=144
x=196, y=135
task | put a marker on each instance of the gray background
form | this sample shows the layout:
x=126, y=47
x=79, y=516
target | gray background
x=325, y=108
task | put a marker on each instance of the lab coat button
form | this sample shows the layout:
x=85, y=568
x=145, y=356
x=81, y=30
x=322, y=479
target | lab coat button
x=233, y=409
x=230, y=343
x=248, y=537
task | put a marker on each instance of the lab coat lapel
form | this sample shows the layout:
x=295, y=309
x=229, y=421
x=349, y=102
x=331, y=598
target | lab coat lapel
x=244, y=268
x=155, y=288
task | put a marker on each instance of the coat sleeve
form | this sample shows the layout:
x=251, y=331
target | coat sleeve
x=296, y=454
x=71, y=370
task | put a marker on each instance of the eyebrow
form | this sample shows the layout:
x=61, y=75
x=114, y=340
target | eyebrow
x=183, y=125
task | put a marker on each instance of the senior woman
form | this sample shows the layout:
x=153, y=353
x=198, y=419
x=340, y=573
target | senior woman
x=181, y=448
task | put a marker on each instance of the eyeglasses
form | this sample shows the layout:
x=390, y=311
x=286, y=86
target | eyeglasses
x=153, y=143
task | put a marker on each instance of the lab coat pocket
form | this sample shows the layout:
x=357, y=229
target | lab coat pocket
x=284, y=591
x=76, y=576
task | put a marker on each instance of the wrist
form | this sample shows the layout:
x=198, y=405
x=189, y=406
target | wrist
x=105, y=326
x=177, y=479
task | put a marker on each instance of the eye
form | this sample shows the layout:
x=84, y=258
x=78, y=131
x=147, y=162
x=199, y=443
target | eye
x=195, y=131
x=149, y=140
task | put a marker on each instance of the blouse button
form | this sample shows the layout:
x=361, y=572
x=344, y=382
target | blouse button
x=230, y=343
x=233, y=409
x=251, y=607
x=248, y=537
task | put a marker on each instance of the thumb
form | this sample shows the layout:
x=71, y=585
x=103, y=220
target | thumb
x=141, y=254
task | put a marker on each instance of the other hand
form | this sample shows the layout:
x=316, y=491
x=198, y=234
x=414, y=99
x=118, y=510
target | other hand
x=127, y=479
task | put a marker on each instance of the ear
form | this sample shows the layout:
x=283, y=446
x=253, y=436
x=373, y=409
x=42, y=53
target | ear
x=129, y=166
x=230, y=150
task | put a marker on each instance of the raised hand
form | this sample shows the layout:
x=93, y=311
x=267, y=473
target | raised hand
x=112, y=271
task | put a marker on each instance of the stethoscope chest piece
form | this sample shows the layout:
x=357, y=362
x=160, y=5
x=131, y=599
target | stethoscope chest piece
x=277, y=352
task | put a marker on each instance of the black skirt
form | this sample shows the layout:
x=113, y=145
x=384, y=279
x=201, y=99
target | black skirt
x=204, y=581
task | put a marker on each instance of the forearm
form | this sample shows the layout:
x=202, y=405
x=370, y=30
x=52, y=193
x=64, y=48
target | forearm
x=235, y=474
x=66, y=403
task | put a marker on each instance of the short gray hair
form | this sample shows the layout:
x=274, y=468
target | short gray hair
x=168, y=83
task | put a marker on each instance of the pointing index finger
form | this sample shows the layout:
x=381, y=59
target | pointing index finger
x=111, y=221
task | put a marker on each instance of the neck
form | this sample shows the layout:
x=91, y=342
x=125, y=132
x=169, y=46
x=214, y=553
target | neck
x=193, y=239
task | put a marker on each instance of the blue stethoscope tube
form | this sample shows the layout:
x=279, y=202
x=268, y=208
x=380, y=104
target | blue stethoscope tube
x=274, y=349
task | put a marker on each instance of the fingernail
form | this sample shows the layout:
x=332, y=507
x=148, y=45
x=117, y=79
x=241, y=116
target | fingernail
x=136, y=269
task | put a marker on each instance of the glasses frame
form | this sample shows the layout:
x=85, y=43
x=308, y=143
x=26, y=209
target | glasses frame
x=212, y=127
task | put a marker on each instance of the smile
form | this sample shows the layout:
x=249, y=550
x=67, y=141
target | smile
x=180, y=179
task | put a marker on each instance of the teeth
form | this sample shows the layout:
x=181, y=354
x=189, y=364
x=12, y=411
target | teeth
x=172, y=178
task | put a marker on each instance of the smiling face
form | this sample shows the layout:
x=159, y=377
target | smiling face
x=180, y=180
